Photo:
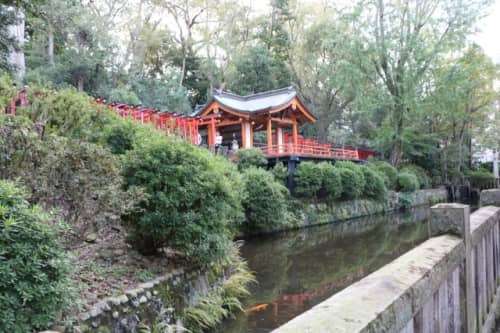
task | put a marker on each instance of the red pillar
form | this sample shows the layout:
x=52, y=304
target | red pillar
x=269, y=135
x=211, y=133
x=294, y=135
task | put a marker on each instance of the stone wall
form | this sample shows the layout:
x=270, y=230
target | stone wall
x=163, y=298
x=450, y=283
x=489, y=197
x=313, y=213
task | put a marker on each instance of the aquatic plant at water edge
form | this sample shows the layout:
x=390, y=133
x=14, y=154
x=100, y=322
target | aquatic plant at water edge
x=160, y=325
x=222, y=302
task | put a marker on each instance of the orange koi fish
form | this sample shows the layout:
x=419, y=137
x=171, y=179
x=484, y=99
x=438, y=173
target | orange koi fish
x=256, y=308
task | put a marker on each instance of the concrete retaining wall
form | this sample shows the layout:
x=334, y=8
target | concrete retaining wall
x=450, y=283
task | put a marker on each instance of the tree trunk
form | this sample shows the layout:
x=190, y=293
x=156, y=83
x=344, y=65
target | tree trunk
x=461, y=140
x=445, y=162
x=50, y=49
x=80, y=83
x=397, y=146
x=16, y=53
x=183, y=68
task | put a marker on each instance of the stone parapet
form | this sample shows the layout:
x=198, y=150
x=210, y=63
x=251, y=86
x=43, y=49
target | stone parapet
x=489, y=197
x=450, y=283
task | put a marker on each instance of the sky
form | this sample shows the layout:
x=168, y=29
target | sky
x=489, y=37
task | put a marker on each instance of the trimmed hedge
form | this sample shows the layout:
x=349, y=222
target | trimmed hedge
x=388, y=172
x=374, y=184
x=308, y=179
x=353, y=182
x=350, y=187
x=264, y=202
x=248, y=158
x=480, y=178
x=331, y=182
x=423, y=178
x=407, y=182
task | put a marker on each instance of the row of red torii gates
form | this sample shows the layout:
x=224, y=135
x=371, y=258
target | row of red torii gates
x=228, y=117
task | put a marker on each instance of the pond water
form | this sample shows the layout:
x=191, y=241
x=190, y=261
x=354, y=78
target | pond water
x=297, y=270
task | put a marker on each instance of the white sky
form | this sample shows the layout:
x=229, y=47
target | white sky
x=489, y=36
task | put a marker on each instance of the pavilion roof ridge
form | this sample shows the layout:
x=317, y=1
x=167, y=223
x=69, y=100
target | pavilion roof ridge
x=289, y=90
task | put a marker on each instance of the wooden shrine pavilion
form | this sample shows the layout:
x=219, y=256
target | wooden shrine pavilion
x=278, y=112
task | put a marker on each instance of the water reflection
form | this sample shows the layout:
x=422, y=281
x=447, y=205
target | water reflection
x=297, y=270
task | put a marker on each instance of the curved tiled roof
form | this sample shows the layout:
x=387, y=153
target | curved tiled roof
x=253, y=103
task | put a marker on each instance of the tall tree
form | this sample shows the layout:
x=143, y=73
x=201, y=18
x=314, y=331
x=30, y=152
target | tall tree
x=400, y=40
x=74, y=50
x=464, y=95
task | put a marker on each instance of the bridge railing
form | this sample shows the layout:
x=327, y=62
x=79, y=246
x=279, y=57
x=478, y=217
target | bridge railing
x=310, y=149
x=450, y=283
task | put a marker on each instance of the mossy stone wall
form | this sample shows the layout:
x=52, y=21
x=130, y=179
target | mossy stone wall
x=315, y=212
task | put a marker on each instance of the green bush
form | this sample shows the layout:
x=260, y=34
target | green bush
x=192, y=202
x=353, y=182
x=408, y=182
x=280, y=173
x=7, y=91
x=120, y=137
x=33, y=269
x=265, y=201
x=374, y=184
x=423, y=178
x=390, y=173
x=21, y=147
x=84, y=181
x=66, y=112
x=350, y=187
x=307, y=179
x=480, y=178
x=331, y=182
x=247, y=158
x=81, y=179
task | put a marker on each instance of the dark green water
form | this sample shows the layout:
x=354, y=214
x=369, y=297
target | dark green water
x=299, y=269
